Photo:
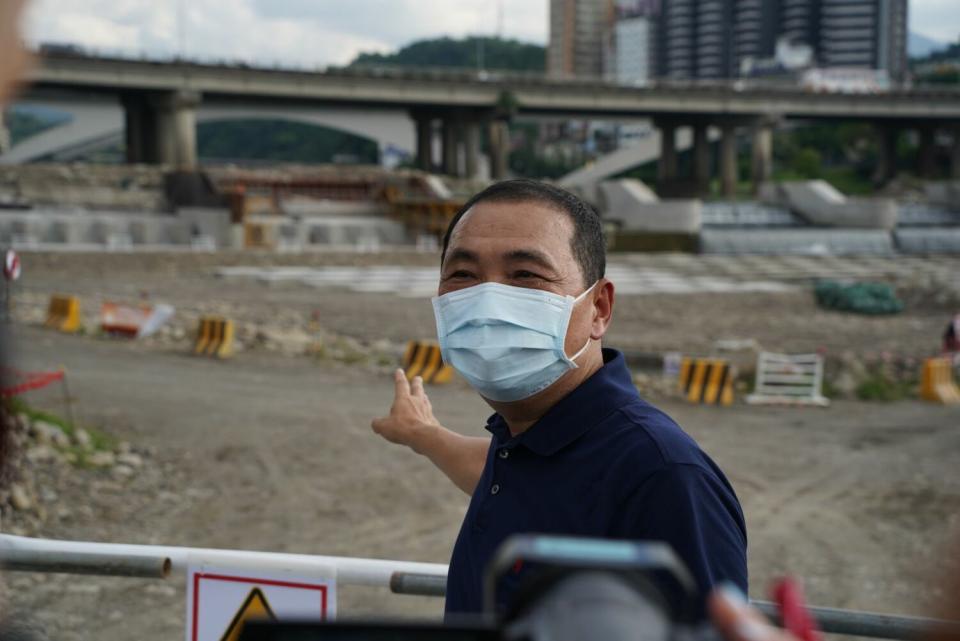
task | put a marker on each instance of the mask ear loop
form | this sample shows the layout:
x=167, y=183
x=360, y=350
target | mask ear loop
x=573, y=359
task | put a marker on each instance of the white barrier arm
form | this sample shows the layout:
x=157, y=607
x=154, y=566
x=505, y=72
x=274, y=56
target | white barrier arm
x=348, y=571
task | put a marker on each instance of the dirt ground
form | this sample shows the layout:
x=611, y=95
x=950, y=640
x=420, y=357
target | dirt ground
x=270, y=452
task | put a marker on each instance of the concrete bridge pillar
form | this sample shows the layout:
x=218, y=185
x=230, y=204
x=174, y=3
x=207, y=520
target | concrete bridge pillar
x=424, y=142
x=450, y=151
x=472, y=149
x=667, y=165
x=926, y=155
x=955, y=154
x=161, y=128
x=177, y=129
x=728, y=160
x=701, y=158
x=499, y=149
x=886, y=170
x=140, y=128
x=762, y=153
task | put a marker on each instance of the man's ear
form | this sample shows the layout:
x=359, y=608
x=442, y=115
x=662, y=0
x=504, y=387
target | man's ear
x=602, y=308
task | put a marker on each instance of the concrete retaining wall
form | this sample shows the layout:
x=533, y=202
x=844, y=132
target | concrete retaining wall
x=810, y=242
x=79, y=227
x=937, y=240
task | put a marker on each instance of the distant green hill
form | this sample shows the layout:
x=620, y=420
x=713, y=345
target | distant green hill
x=497, y=53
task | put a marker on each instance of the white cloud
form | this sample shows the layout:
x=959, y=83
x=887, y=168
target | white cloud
x=304, y=32
x=938, y=19
x=317, y=32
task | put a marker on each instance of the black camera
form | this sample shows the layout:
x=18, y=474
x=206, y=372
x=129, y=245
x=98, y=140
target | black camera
x=547, y=588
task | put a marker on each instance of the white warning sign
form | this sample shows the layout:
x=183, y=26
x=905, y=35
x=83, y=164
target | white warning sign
x=220, y=600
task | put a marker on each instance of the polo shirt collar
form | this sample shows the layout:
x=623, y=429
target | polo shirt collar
x=609, y=388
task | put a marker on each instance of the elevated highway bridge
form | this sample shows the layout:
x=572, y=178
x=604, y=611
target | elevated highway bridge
x=160, y=101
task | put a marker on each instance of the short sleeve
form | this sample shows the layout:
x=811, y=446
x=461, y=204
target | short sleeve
x=698, y=515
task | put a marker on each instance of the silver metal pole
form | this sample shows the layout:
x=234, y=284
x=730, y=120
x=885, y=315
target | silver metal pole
x=418, y=584
x=147, y=567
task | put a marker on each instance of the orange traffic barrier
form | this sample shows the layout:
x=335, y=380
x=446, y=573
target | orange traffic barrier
x=64, y=313
x=214, y=337
x=423, y=359
x=937, y=384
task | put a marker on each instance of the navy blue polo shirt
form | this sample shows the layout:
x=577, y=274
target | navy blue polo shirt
x=601, y=463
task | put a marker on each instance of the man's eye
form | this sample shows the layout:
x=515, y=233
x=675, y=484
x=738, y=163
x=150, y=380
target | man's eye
x=525, y=274
x=460, y=274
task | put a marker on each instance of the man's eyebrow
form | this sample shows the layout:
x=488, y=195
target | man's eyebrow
x=462, y=255
x=530, y=255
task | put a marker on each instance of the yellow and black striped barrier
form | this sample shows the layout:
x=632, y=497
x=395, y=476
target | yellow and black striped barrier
x=422, y=358
x=214, y=337
x=707, y=380
x=63, y=313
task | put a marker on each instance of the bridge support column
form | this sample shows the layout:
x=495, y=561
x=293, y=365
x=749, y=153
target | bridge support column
x=762, y=154
x=926, y=157
x=450, y=155
x=472, y=149
x=177, y=129
x=667, y=165
x=887, y=136
x=955, y=154
x=701, y=158
x=140, y=129
x=728, y=160
x=161, y=129
x=424, y=143
x=499, y=149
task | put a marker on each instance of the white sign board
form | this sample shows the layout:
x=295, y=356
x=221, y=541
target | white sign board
x=220, y=599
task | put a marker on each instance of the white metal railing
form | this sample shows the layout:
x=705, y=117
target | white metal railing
x=18, y=552
x=402, y=577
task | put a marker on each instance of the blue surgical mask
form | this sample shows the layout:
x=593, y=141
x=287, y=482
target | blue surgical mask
x=506, y=341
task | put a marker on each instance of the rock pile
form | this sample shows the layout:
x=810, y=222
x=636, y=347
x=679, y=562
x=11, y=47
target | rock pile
x=43, y=453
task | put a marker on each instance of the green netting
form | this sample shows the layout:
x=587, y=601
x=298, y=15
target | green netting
x=861, y=298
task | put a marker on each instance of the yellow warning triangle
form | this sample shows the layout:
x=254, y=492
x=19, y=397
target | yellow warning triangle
x=255, y=606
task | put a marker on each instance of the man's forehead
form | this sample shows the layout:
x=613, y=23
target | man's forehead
x=528, y=223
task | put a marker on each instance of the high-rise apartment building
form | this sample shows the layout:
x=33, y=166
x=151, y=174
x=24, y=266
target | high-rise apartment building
x=711, y=39
x=577, y=35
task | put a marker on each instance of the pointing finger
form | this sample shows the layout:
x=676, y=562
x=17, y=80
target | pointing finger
x=402, y=386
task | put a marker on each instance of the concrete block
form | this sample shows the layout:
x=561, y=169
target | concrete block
x=635, y=208
x=820, y=204
x=207, y=221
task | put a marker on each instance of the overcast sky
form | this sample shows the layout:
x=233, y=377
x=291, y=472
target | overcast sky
x=320, y=32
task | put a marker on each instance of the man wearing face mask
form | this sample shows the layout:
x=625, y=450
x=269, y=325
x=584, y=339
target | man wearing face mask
x=521, y=309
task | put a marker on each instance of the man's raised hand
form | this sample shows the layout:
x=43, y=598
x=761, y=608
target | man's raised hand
x=411, y=419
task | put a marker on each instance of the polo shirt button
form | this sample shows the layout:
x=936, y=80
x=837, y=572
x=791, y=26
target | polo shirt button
x=495, y=488
x=504, y=453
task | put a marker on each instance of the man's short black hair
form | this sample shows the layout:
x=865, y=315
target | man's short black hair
x=588, y=245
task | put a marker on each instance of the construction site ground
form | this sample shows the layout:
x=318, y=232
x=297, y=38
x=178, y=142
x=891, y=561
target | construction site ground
x=274, y=452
